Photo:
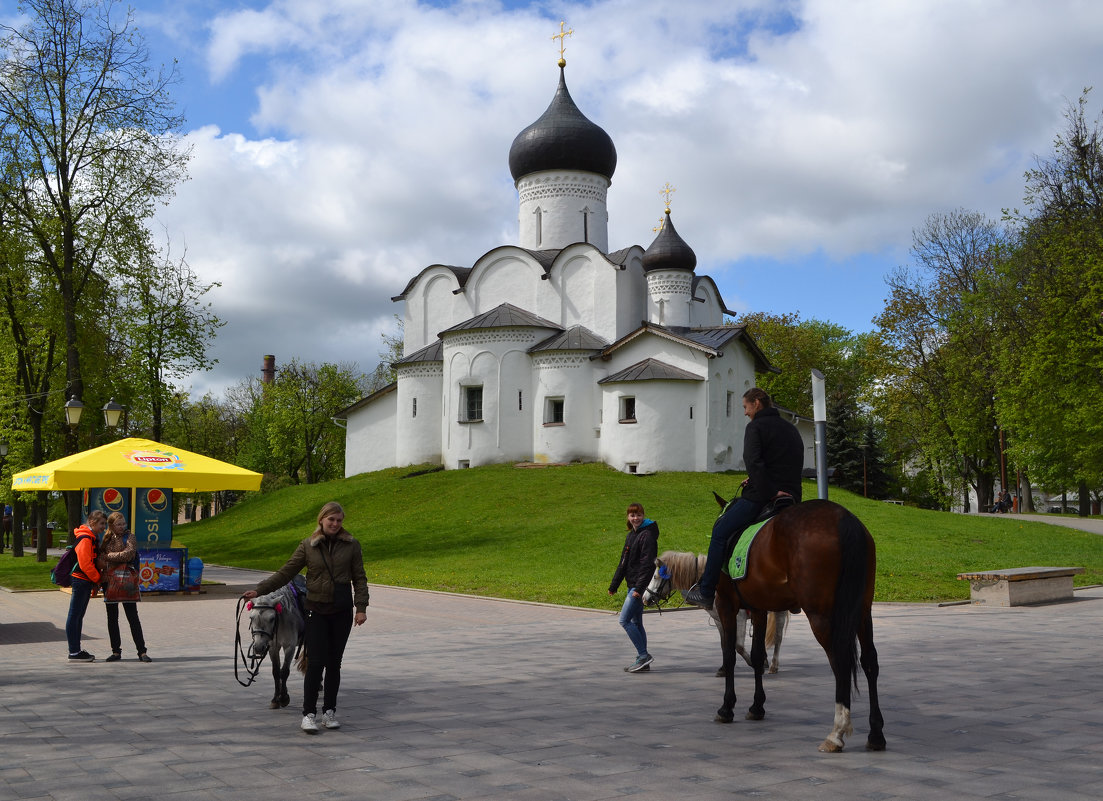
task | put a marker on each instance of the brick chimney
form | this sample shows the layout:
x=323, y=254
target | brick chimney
x=268, y=372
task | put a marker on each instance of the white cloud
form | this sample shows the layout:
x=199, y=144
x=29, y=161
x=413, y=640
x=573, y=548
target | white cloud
x=387, y=127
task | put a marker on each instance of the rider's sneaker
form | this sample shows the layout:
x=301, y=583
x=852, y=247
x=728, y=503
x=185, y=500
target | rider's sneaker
x=329, y=719
x=696, y=597
x=641, y=663
x=308, y=725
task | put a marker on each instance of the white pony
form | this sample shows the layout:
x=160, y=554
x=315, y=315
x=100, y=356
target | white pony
x=676, y=570
x=276, y=625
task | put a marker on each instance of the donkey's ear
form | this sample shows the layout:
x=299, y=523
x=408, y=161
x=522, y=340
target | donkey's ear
x=719, y=500
x=279, y=607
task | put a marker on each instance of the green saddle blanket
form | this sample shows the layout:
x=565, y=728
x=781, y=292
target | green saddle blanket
x=737, y=564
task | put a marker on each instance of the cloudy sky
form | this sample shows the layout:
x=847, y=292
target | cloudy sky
x=342, y=145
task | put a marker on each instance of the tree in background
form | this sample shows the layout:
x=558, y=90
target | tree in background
x=87, y=147
x=1048, y=295
x=935, y=352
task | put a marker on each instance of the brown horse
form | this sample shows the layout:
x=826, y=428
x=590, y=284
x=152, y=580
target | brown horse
x=818, y=558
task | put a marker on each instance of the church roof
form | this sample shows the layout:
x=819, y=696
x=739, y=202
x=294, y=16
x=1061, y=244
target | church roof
x=669, y=251
x=504, y=316
x=430, y=353
x=366, y=400
x=651, y=370
x=562, y=139
x=461, y=274
x=576, y=337
x=711, y=340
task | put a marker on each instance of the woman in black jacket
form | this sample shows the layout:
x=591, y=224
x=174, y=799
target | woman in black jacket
x=637, y=564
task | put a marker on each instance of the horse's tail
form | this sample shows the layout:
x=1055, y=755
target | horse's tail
x=301, y=661
x=849, y=592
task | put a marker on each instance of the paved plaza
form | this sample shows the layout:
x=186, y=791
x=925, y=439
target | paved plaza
x=447, y=697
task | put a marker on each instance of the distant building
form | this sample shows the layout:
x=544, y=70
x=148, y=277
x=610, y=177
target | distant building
x=558, y=350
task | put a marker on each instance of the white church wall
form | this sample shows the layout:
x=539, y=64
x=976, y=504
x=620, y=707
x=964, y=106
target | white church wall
x=370, y=436
x=560, y=207
x=668, y=297
x=709, y=313
x=730, y=376
x=475, y=359
x=508, y=276
x=429, y=308
x=664, y=435
x=570, y=297
x=631, y=296
x=417, y=422
x=516, y=406
x=564, y=414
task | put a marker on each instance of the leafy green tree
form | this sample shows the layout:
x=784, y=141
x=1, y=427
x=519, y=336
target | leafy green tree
x=1049, y=296
x=88, y=145
x=936, y=344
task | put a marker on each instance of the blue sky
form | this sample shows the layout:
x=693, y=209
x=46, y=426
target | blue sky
x=339, y=146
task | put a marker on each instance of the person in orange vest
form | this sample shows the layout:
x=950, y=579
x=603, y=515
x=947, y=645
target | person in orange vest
x=86, y=577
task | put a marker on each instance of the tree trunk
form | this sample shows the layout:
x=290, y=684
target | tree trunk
x=1085, y=499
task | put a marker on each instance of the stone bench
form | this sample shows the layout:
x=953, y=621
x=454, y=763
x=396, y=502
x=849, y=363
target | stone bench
x=1017, y=586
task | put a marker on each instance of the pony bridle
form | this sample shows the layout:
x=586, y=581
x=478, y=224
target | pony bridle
x=661, y=594
x=254, y=632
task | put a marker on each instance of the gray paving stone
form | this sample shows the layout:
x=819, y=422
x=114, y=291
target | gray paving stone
x=468, y=699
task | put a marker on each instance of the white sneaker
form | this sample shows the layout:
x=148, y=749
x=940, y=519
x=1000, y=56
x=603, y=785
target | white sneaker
x=329, y=719
x=308, y=725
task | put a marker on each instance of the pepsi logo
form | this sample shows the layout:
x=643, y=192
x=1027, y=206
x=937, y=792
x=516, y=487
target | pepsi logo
x=113, y=500
x=157, y=500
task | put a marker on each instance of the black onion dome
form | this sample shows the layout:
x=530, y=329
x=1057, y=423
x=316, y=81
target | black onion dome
x=562, y=139
x=669, y=251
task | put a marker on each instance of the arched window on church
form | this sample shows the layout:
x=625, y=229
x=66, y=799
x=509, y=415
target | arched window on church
x=586, y=224
x=539, y=225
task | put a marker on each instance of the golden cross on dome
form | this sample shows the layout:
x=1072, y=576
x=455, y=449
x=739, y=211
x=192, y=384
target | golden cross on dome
x=562, y=37
x=666, y=192
x=659, y=227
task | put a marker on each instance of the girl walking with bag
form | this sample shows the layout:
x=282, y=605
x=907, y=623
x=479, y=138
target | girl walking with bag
x=335, y=583
x=117, y=563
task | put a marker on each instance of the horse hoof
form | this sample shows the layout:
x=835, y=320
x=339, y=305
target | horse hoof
x=273, y=704
x=720, y=673
x=285, y=701
x=773, y=669
x=875, y=745
x=830, y=747
x=752, y=715
x=724, y=716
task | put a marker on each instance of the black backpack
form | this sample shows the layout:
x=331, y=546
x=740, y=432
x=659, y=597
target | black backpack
x=62, y=574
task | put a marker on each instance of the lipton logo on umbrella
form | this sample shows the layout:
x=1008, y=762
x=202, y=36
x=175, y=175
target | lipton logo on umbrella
x=154, y=459
x=157, y=500
x=113, y=500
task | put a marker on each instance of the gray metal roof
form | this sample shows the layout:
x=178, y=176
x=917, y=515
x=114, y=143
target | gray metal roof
x=504, y=316
x=430, y=353
x=576, y=337
x=652, y=370
x=461, y=274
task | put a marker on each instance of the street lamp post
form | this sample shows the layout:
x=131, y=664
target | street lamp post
x=112, y=412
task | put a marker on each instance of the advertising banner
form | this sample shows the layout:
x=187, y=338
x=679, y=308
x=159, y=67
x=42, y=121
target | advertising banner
x=107, y=500
x=159, y=569
x=152, y=523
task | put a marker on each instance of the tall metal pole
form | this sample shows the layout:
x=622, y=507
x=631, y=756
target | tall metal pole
x=819, y=415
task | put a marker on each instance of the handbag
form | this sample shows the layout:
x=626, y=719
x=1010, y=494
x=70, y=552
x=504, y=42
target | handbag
x=342, y=592
x=122, y=585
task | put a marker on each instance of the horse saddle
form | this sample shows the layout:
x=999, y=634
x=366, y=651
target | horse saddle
x=778, y=504
x=739, y=545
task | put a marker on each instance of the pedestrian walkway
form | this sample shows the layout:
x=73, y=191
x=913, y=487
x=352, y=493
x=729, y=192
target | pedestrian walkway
x=447, y=697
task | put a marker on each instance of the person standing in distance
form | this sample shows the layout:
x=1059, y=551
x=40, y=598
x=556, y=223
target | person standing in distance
x=86, y=577
x=334, y=566
x=637, y=563
x=773, y=453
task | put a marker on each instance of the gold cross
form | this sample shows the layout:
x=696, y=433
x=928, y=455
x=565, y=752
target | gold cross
x=659, y=227
x=666, y=192
x=562, y=37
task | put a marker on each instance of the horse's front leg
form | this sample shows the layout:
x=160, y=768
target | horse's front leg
x=758, y=662
x=285, y=699
x=726, y=612
x=274, y=658
x=741, y=635
x=780, y=621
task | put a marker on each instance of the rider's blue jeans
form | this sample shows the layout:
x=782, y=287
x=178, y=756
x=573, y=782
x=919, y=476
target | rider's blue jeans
x=631, y=620
x=736, y=517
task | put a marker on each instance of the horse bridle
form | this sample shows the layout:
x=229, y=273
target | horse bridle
x=269, y=635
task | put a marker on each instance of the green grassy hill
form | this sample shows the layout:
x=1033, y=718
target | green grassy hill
x=554, y=534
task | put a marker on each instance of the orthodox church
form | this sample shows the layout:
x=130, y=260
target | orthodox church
x=557, y=349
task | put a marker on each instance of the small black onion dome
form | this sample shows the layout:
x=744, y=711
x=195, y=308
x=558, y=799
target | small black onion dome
x=562, y=139
x=669, y=251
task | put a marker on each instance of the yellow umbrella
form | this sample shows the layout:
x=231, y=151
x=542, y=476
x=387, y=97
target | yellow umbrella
x=137, y=462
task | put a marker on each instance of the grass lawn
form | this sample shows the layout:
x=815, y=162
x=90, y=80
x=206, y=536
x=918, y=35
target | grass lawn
x=554, y=534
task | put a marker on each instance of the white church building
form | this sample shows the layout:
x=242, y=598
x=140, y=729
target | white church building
x=557, y=350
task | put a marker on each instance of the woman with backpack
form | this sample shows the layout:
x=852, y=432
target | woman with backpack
x=119, y=554
x=85, y=578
